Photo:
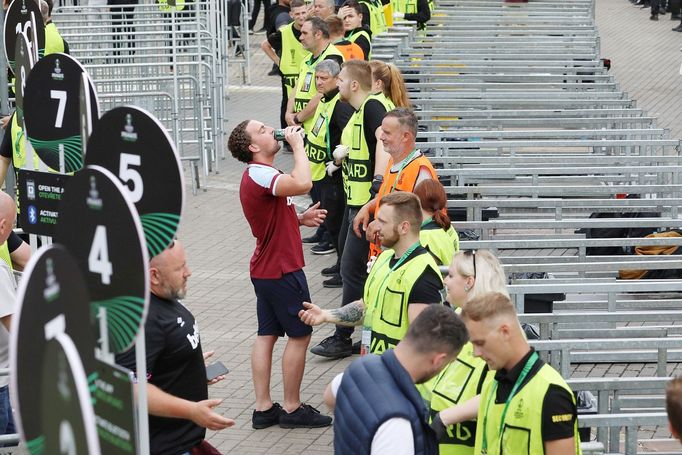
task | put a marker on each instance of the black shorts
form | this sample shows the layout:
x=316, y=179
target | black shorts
x=278, y=303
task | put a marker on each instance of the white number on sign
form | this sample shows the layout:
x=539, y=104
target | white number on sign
x=67, y=440
x=26, y=28
x=128, y=174
x=61, y=96
x=98, y=259
x=23, y=79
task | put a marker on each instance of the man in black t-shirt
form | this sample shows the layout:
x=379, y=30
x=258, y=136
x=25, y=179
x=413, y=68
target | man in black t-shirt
x=179, y=408
x=278, y=16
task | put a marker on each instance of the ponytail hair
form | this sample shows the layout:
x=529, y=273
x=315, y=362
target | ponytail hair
x=433, y=200
x=394, y=84
x=397, y=89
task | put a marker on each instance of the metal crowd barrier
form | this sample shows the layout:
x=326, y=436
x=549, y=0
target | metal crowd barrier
x=172, y=63
x=519, y=114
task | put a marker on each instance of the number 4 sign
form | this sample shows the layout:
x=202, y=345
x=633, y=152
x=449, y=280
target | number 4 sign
x=102, y=230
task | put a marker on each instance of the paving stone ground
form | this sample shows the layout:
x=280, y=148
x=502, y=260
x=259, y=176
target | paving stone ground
x=646, y=58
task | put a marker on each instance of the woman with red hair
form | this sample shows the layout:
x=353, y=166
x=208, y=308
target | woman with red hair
x=437, y=234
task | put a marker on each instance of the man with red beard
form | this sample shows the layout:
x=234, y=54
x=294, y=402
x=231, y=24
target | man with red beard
x=403, y=281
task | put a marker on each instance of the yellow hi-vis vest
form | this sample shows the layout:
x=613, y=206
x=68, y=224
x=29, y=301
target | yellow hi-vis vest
x=305, y=88
x=358, y=165
x=522, y=431
x=377, y=21
x=404, y=6
x=19, y=154
x=386, y=305
x=442, y=244
x=383, y=99
x=460, y=381
x=293, y=54
x=53, y=40
x=4, y=255
x=353, y=37
x=18, y=146
x=317, y=141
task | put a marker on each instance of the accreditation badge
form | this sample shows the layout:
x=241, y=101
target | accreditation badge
x=307, y=82
x=318, y=125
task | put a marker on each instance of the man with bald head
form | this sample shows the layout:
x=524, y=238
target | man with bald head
x=179, y=408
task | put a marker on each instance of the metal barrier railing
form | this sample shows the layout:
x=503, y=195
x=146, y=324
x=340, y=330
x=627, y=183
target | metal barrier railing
x=173, y=63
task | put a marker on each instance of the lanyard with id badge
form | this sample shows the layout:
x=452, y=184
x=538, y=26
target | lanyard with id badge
x=526, y=368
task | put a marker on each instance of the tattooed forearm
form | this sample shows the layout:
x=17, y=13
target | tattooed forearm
x=351, y=314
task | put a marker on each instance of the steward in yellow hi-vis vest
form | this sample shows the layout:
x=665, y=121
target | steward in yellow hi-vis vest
x=387, y=295
x=53, y=40
x=358, y=167
x=18, y=148
x=515, y=423
x=318, y=141
x=527, y=407
x=460, y=381
x=292, y=56
x=413, y=10
x=442, y=244
x=377, y=21
x=305, y=86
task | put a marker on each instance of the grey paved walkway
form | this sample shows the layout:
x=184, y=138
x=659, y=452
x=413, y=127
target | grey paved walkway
x=646, y=58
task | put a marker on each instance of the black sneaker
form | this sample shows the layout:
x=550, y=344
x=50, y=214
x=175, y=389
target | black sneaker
x=265, y=419
x=333, y=347
x=312, y=239
x=333, y=282
x=304, y=417
x=323, y=248
x=330, y=271
x=274, y=71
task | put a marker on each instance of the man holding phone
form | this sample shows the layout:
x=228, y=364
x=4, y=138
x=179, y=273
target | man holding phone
x=179, y=408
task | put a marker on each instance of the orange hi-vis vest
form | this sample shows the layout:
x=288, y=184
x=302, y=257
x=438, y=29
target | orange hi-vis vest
x=403, y=180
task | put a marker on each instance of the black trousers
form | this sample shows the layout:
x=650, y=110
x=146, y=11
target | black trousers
x=333, y=199
x=353, y=265
x=122, y=22
x=256, y=10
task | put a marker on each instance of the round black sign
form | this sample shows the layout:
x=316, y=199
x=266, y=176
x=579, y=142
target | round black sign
x=134, y=145
x=88, y=106
x=101, y=228
x=18, y=19
x=52, y=111
x=24, y=64
x=67, y=415
x=52, y=299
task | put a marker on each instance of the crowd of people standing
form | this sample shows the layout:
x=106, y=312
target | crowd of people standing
x=348, y=121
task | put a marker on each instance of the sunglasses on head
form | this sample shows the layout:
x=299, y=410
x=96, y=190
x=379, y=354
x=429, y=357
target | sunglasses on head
x=472, y=253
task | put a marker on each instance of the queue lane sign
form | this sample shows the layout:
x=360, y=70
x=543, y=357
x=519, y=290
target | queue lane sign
x=132, y=144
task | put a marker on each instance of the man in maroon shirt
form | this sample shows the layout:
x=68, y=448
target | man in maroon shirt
x=277, y=268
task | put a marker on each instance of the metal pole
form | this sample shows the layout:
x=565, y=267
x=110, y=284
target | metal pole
x=142, y=417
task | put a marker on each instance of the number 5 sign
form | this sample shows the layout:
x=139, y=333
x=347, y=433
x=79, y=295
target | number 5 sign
x=134, y=145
